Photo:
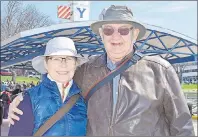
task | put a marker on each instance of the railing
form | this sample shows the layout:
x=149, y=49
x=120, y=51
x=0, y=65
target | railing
x=191, y=97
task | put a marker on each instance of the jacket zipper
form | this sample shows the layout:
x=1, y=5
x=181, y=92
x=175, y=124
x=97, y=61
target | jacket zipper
x=113, y=112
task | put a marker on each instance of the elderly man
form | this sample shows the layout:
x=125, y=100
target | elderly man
x=144, y=99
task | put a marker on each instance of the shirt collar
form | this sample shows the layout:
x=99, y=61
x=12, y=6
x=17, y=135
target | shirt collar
x=111, y=65
x=60, y=84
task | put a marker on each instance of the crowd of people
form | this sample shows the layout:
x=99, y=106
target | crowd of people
x=13, y=87
x=9, y=90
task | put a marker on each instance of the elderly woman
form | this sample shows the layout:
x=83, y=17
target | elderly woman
x=58, y=65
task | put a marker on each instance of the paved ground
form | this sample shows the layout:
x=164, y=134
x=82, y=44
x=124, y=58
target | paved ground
x=195, y=126
x=5, y=128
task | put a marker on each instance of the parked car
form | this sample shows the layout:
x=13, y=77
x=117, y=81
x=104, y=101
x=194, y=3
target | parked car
x=194, y=81
x=4, y=72
x=34, y=76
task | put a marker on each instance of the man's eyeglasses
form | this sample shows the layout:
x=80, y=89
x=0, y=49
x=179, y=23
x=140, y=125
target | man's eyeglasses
x=108, y=30
x=59, y=60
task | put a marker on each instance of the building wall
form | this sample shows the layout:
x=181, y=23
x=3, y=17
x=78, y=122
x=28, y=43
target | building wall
x=189, y=74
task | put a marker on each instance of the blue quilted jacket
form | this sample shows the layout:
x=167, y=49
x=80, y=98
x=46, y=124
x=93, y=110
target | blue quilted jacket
x=46, y=101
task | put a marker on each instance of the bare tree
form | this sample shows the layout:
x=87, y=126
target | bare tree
x=13, y=74
x=16, y=18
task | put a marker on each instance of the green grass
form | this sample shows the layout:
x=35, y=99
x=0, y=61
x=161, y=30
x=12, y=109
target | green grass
x=20, y=79
x=189, y=86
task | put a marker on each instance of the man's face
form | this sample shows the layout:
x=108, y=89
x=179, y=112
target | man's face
x=118, y=40
x=61, y=68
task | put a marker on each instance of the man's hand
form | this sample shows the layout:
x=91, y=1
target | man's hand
x=13, y=109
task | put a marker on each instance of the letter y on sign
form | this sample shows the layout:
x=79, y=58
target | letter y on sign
x=81, y=12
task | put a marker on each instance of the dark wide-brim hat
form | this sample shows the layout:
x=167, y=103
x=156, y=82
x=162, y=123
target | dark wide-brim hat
x=118, y=15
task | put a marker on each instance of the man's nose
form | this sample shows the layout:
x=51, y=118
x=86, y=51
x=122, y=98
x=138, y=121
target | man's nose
x=116, y=34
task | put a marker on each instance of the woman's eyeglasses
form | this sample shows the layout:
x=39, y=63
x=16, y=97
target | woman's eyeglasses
x=59, y=60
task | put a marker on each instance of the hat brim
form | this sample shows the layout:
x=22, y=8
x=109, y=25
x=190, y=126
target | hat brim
x=38, y=62
x=96, y=25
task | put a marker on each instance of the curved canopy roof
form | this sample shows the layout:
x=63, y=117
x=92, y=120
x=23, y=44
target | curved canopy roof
x=18, y=50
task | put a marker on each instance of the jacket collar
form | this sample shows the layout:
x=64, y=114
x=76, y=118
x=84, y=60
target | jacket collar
x=52, y=85
x=101, y=61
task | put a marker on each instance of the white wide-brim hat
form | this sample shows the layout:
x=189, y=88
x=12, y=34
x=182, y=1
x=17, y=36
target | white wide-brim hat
x=57, y=46
x=118, y=15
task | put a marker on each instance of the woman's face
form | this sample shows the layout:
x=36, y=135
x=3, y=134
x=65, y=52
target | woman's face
x=61, y=68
